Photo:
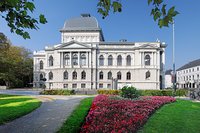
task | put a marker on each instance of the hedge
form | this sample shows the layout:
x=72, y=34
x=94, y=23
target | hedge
x=57, y=92
x=179, y=92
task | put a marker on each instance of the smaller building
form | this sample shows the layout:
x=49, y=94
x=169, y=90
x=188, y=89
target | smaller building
x=168, y=79
x=188, y=75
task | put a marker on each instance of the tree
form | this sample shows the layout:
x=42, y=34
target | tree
x=16, y=64
x=17, y=14
x=160, y=14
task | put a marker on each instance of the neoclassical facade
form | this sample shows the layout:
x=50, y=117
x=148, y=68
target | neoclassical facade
x=84, y=60
x=188, y=75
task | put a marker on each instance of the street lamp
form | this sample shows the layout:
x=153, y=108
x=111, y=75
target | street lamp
x=174, y=71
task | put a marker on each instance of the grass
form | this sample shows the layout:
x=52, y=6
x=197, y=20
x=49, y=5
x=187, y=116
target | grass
x=12, y=107
x=179, y=117
x=76, y=119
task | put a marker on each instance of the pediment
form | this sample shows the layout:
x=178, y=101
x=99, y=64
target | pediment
x=73, y=45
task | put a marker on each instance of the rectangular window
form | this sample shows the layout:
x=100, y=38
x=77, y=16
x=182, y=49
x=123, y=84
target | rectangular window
x=100, y=85
x=74, y=86
x=65, y=85
x=82, y=85
x=109, y=86
x=197, y=68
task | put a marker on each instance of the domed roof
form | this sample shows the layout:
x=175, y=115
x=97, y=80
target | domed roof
x=84, y=22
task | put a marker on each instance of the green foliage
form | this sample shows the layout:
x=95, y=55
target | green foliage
x=109, y=92
x=57, y=92
x=129, y=92
x=159, y=11
x=179, y=92
x=179, y=117
x=16, y=69
x=76, y=119
x=12, y=107
x=17, y=13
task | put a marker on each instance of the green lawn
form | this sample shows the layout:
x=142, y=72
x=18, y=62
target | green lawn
x=76, y=119
x=179, y=117
x=12, y=107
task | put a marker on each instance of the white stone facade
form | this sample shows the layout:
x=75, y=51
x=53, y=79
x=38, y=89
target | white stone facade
x=83, y=60
x=188, y=75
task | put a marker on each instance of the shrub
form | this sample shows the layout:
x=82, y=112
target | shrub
x=57, y=92
x=179, y=92
x=109, y=92
x=129, y=92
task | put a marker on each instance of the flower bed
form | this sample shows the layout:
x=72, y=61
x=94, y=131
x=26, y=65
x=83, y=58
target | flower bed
x=120, y=115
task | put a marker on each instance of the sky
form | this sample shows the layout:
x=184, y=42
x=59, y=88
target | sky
x=134, y=23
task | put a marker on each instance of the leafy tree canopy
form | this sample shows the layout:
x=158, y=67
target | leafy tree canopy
x=159, y=12
x=17, y=13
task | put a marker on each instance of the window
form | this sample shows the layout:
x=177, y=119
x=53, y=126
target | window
x=109, y=86
x=50, y=75
x=83, y=59
x=109, y=75
x=197, y=68
x=128, y=76
x=51, y=60
x=148, y=74
x=101, y=85
x=67, y=60
x=65, y=75
x=65, y=85
x=110, y=60
x=41, y=64
x=119, y=76
x=147, y=60
x=75, y=59
x=197, y=76
x=128, y=60
x=82, y=85
x=119, y=60
x=101, y=60
x=41, y=76
x=101, y=75
x=83, y=75
x=74, y=75
x=74, y=86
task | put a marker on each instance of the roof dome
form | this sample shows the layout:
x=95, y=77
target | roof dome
x=85, y=22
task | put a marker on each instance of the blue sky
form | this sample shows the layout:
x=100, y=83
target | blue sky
x=134, y=24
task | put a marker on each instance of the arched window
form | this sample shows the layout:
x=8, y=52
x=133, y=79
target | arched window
x=119, y=76
x=109, y=75
x=119, y=60
x=74, y=75
x=101, y=75
x=67, y=59
x=41, y=64
x=50, y=76
x=148, y=75
x=75, y=59
x=83, y=59
x=51, y=60
x=110, y=60
x=83, y=75
x=128, y=76
x=101, y=60
x=65, y=75
x=41, y=77
x=128, y=60
x=147, y=60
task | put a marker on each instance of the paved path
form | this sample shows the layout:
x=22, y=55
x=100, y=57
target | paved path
x=20, y=92
x=46, y=119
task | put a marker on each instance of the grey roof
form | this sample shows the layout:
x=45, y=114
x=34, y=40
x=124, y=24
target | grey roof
x=84, y=22
x=168, y=72
x=190, y=64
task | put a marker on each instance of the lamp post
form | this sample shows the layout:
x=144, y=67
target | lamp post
x=173, y=52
